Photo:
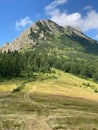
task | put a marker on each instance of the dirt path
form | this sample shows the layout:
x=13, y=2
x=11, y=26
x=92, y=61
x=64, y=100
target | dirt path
x=40, y=123
x=28, y=98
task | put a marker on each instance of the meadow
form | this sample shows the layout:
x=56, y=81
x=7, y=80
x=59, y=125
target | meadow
x=61, y=102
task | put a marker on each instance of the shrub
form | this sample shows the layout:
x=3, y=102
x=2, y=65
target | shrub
x=19, y=88
x=96, y=90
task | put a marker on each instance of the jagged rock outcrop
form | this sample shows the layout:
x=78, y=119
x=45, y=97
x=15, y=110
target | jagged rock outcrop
x=38, y=31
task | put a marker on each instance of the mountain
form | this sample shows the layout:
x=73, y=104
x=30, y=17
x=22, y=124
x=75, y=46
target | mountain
x=37, y=88
x=31, y=36
x=47, y=45
x=47, y=31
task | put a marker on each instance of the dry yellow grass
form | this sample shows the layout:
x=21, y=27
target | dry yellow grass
x=7, y=85
x=52, y=104
x=66, y=84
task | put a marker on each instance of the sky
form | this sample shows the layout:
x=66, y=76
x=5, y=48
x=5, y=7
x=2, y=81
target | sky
x=17, y=15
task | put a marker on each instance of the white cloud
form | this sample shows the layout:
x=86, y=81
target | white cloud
x=23, y=23
x=64, y=19
x=90, y=21
x=86, y=23
x=54, y=4
x=88, y=7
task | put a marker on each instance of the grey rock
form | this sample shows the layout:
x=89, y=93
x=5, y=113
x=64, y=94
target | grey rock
x=39, y=32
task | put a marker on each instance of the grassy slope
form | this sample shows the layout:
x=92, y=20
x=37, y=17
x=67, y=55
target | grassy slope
x=53, y=104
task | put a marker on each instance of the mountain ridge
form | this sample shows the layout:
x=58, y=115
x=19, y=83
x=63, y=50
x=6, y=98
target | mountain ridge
x=46, y=45
x=40, y=31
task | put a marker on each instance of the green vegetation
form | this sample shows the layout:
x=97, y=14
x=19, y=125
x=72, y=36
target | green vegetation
x=19, y=88
x=61, y=49
x=43, y=58
x=37, y=88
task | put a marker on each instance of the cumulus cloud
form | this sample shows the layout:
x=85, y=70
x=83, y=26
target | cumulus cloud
x=23, y=23
x=64, y=19
x=90, y=21
x=86, y=23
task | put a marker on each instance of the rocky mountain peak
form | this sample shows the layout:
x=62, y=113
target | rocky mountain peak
x=48, y=25
x=39, y=32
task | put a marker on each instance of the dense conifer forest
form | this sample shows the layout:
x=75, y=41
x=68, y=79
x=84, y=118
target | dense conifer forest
x=15, y=64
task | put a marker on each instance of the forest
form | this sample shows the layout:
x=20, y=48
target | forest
x=15, y=64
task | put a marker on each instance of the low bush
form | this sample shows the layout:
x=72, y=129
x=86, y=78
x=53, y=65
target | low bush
x=19, y=88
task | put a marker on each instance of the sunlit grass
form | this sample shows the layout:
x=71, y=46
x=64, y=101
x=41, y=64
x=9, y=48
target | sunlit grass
x=61, y=102
x=7, y=85
x=65, y=84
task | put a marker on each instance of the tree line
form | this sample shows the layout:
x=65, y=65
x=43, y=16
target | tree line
x=13, y=64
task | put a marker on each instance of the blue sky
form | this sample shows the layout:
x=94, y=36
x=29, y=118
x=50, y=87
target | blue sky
x=17, y=15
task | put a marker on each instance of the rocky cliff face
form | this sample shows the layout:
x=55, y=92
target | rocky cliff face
x=39, y=32
x=18, y=43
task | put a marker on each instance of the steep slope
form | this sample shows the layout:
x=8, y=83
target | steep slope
x=42, y=97
x=46, y=45
x=47, y=31
x=39, y=31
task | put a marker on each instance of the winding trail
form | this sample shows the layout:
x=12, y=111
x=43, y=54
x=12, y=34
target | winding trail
x=40, y=123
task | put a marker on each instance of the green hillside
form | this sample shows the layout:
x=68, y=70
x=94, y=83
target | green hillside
x=48, y=80
x=45, y=45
